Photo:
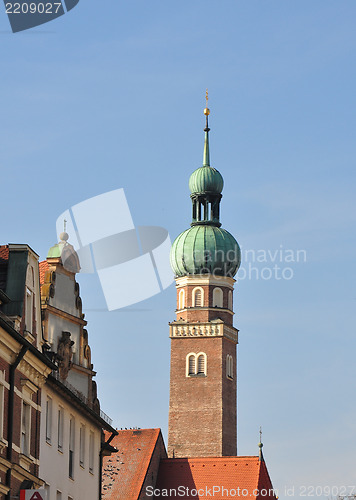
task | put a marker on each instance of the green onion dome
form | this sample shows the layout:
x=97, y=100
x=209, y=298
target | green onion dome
x=206, y=179
x=205, y=249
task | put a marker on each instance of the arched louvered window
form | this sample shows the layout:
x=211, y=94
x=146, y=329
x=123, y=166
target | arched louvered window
x=217, y=297
x=196, y=364
x=181, y=299
x=198, y=297
x=201, y=364
x=191, y=364
x=230, y=300
x=229, y=366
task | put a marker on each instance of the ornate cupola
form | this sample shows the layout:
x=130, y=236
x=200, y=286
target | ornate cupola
x=205, y=248
x=205, y=259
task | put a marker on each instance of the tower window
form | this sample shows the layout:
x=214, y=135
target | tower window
x=196, y=364
x=198, y=297
x=201, y=364
x=191, y=363
x=181, y=299
x=217, y=297
x=230, y=300
x=229, y=366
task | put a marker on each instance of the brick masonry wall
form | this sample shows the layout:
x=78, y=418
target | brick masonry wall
x=202, y=411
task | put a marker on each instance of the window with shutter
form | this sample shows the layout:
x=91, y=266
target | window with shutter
x=201, y=364
x=191, y=361
x=198, y=297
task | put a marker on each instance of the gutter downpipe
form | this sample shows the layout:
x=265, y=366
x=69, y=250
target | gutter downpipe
x=10, y=415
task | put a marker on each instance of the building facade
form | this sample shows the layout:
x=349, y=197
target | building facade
x=72, y=440
x=23, y=370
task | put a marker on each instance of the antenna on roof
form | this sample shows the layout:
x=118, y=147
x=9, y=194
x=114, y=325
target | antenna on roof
x=260, y=445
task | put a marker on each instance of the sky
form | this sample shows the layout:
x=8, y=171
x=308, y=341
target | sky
x=111, y=95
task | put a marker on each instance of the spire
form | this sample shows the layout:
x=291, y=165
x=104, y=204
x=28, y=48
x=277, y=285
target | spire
x=260, y=445
x=206, y=156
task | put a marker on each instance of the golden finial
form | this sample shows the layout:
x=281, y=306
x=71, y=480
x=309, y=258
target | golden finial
x=206, y=110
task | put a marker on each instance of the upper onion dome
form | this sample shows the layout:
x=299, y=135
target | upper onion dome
x=206, y=179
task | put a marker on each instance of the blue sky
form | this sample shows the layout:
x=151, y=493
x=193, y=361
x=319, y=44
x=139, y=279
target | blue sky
x=111, y=95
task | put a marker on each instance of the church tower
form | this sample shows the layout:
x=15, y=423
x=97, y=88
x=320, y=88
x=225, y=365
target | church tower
x=205, y=259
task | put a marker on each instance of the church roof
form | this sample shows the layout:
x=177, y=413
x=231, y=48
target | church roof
x=124, y=473
x=249, y=474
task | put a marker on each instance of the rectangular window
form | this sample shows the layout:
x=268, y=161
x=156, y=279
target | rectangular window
x=49, y=420
x=25, y=428
x=71, y=446
x=91, y=452
x=2, y=403
x=82, y=446
x=60, y=428
x=59, y=495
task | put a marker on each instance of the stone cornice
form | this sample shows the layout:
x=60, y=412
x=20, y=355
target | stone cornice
x=215, y=328
x=208, y=280
x=64, y=315
x=200, y=308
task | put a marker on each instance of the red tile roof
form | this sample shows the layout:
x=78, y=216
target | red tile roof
x=241, y=477
x=124, y=472
x=4, y=252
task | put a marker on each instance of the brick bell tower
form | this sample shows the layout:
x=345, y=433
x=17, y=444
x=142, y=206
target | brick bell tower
x=205, y=259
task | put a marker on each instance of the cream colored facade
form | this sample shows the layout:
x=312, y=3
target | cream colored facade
x=55, y=442
x=72, y=423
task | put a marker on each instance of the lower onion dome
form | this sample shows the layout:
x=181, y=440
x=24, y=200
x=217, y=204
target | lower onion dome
x=205, y=249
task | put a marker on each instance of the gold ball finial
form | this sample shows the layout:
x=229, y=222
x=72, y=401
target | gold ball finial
x=206, y=110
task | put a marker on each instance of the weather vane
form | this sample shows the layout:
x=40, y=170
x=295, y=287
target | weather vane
x=206, y=97
x=260, y=434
